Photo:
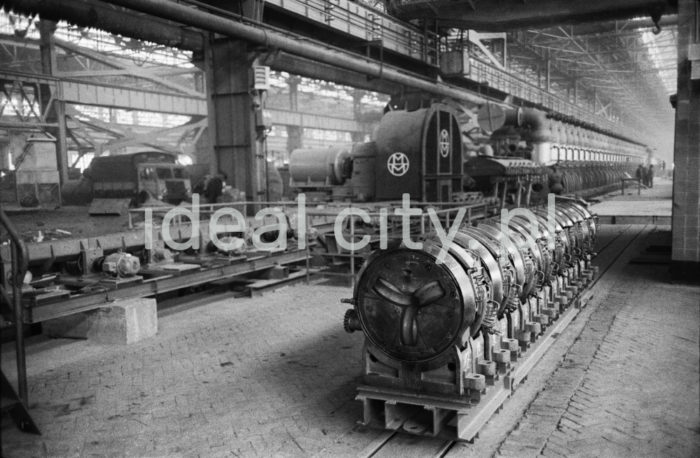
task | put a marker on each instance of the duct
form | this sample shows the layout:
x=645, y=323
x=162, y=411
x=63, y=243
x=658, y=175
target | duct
x=506, y=15
x=86, y=13
x=492, y=116
x=539, y=129
x=538, y=124
x=299, y=46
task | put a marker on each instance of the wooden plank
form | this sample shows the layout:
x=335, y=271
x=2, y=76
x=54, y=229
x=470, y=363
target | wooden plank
x=178, y=267
x=256, y=288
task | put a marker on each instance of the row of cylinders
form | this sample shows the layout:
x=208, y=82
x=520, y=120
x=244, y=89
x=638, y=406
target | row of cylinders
x=579, y=137
x=414, y=309
x=579, y=176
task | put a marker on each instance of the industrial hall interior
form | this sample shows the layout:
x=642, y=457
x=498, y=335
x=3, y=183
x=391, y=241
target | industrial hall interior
x=352, y=228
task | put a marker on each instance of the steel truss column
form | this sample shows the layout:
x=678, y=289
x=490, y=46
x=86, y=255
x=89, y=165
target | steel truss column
x=58, y=113
x=295, y=134
x=232, y=119
x=295, y=138
x=686, y=155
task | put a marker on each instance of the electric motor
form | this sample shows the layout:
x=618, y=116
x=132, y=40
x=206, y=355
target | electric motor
x=121, y=264
x=418, y=311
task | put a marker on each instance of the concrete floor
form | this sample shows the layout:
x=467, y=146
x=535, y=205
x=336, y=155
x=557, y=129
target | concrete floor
x=649, y=203
x=628, y=386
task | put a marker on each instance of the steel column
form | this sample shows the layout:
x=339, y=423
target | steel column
x=686, y=157
x=233, y=125
x=57, y=113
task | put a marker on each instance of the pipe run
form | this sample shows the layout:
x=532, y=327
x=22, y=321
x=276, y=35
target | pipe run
x=492, y=117
x=87, y=13
x=299, y=46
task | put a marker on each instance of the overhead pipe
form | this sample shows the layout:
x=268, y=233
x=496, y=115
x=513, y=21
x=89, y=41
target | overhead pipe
x=266, y=36
x=87, y=13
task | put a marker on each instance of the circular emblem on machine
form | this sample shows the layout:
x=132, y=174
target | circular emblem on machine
x=397, y=164
x=444, y=143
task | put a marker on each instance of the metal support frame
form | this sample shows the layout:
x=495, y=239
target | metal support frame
x=305, y=48
x=150, y=287
x=16, y=402
x=57, y=115
x=476, y=39
x=606, y=70
x=120, y=68
x=232, y=117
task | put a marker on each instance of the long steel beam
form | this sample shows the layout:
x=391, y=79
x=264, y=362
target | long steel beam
x=274, y=39
x=90, y=301
x=513, y=14
x=88, y=13
x=89, y=93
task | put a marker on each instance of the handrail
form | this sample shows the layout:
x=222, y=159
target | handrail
x=20, y=263
x=23, y=258
x=526, y=90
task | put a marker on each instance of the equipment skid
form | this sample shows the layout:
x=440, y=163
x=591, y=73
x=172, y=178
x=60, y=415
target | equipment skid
x=446, y=343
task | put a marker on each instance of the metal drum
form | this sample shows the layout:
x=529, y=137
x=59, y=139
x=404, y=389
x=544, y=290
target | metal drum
x=320, y=166
x=418, y=312
x=545, y=241
x=561, y=254
x=586, y=218
x=503, y=289
x=521, y=275
x=413, y=309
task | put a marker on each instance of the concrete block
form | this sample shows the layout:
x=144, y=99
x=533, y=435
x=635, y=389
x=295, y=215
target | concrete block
x=122, y=322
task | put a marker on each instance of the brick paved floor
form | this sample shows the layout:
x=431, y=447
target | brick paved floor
x=276, y=376
x=255, y=377
x=629, y=384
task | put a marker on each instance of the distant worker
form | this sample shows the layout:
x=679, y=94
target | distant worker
x=639, y=174
x=215, y=188
x=650, y=176
x=556, y=179
x=201, y=185
x=644, y=175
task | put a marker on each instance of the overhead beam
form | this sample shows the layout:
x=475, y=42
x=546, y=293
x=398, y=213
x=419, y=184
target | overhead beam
x=87, y=93
x=631, y=27
x=88, y=13
x=152, y=137
x=311, y=49
x=512, y=14
x=475, y=38
x=285, y=62
x=133, y=70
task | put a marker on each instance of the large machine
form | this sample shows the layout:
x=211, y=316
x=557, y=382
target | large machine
x=421, y=152
x=417, y=152
x=591, y=160
x=139, y=176
x=446, y=342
